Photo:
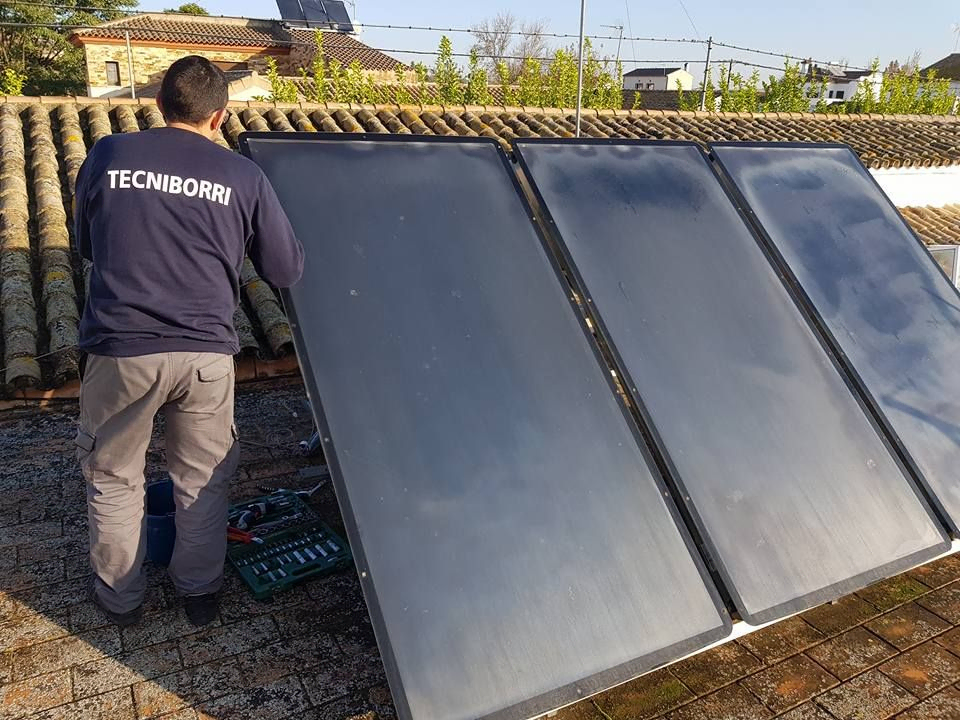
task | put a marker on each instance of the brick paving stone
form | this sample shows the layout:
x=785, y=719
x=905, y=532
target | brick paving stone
x=185, y=714
x=54, y=599
x=23, y=577
x=719, y=666
x=293, y=620
x=162, y=695
x=349, y=675
x=871, y=696
x=102, y=675
x=945, y=705
x=923, y=670
x=58, y=547
x=645, y=697
x=281, y=699
x=213, y=680
x=272, y=662
x=116, y=705
x=25, y=533
x=27, y=697
x=837, y=617
x=790, y=683
x=888, y=594
x=808, y=711
x=731, y=703
x=944, y=602
x=219, y=642
x=66, y=652
x=950, y=640
x=23, y=627
x=779, y=641
x=907, y=626
x=939, y=572
x=169, y=624
x=851, y=653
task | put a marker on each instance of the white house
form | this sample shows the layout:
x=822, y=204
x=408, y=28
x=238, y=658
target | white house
x=658, y=79
x=841, y=84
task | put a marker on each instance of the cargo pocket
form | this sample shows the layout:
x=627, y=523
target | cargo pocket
x=85, y=443
x=217, y=370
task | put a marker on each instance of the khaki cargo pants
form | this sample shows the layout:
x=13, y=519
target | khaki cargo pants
x=119, y=398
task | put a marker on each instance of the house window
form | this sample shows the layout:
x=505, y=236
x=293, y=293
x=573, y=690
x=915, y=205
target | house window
x=649, y=86
x=830, y=94
x=839, y=95
x=113, y=73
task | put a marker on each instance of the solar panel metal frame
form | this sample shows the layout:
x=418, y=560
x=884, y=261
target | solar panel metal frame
x=290, y=11
x=337, y=12
x=315, y=12
x=562, y=696
x=648, y=424
x=817, y=319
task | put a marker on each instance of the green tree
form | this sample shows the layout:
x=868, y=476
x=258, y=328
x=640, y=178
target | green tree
x=506, y=86
x=356, y=86
x=281, y=89
x=189, y=9
x=530, y=83
x=44, y=55
x=478, y=92
x=11, y=82
x=446, y=74
x=561, y=79
x=402, y=94
x=788, y=93
x=423, y=74
x=336, y=81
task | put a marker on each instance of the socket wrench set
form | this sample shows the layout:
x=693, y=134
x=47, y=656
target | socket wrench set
x=284, y=542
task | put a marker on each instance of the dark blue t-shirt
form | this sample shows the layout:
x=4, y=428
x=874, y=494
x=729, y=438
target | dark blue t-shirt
x=166, y=217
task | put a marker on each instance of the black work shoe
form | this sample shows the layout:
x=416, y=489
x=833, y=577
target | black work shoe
x=124, y=619
x=201, y=609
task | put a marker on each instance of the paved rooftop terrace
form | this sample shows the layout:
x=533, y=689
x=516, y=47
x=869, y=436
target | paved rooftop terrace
x=891, y=650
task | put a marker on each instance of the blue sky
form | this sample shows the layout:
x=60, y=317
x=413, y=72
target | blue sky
x=854, y=31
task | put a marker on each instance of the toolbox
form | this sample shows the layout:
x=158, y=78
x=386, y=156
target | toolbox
x=286, y=544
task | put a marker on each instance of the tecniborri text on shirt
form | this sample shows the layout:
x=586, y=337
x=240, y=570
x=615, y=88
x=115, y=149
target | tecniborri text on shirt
x=172, y=184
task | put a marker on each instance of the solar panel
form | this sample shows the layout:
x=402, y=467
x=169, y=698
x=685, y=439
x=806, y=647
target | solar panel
x=795, y=493
x=337, y=12
x=515, y=547
x=314, y=11
x=883, y=301
x=290, y=10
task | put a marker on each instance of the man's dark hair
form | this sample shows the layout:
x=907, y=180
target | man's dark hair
x=192, y=90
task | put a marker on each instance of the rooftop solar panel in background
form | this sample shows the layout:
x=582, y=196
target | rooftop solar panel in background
x=314, y=11
x=337, y=13
x=515, y=549
x=290, y=10
x=795, y=492
x=882, y=298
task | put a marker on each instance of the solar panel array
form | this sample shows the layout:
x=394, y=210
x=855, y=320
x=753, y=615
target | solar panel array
x=558, y=444
x=316, y=13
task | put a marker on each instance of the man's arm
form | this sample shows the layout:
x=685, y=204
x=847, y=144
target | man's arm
x=81, y=228
x=274, y=249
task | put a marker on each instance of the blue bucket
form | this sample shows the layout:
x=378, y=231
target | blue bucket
x=161, y=523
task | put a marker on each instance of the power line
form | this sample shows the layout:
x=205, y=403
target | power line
x=425, y=28
x=692, y=24
x=373, y=26
x=300, y=43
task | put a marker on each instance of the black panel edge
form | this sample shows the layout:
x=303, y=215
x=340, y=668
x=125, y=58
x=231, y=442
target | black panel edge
x=562, y=696
x=850, y=374
x=647, y=427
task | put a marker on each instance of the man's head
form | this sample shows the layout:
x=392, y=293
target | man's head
x=194, y=94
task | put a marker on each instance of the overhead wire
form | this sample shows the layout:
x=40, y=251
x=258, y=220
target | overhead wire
x=428, y=28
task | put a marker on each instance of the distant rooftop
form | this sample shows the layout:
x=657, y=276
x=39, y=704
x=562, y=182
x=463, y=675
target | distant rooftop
x=948, y=67
x=652, y=72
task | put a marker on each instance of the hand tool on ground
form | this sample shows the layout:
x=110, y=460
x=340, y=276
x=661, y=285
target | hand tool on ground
x=238, y=535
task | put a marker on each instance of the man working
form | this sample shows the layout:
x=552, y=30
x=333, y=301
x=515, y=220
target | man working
x=166, y=216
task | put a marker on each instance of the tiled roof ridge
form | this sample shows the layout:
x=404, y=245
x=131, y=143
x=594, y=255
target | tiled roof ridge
x=589, y=112
x=187, y=18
